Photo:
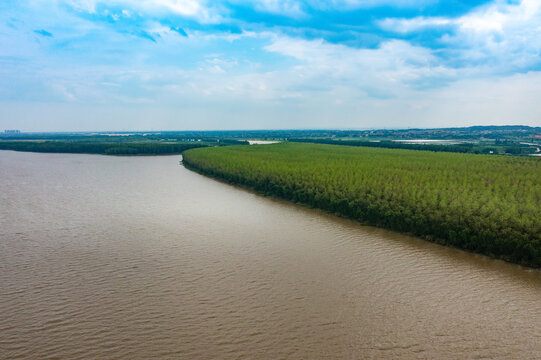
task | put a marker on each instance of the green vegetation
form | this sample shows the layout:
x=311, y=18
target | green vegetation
x=502, y=140
x=485, y=204
x=106, y=148
x=481, y=147
x=136, y=143
x=388, y=144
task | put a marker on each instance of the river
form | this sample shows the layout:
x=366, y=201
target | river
x=137, y=257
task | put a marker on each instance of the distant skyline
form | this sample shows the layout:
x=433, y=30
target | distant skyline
x=126, y=65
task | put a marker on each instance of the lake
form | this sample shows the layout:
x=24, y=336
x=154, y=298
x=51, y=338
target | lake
x=137, y=257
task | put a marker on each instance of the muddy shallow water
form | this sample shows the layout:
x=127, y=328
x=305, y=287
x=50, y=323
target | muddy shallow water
x=138, y=257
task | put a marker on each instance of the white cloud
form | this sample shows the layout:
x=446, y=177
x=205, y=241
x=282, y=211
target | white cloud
x=180, y=105
x=499, y=16
x=198, y=9
x=282, y=7
x=505, y=100
x=404, y=26
x=83, y=5
x=382, y=71
x=507, y=37
x=183, y=7
x=502, y=36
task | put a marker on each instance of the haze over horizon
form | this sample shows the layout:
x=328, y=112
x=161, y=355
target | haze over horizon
x=125, y=65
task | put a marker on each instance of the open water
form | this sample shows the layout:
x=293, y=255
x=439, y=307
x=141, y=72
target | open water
x=137, y=258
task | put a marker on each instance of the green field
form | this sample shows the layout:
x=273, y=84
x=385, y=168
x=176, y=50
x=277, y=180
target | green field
x=481, y=203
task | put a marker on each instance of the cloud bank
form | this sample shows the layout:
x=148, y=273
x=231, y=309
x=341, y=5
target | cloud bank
x=195, y=64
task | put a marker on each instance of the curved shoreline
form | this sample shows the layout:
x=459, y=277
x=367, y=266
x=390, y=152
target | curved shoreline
x=513, y=251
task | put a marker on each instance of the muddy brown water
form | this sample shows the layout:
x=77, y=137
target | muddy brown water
x=137, y=257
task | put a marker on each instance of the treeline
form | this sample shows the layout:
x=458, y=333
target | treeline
x=483, y=204
x=135, y=138
x=464, y=148
x=513, y=133
x=105, y=148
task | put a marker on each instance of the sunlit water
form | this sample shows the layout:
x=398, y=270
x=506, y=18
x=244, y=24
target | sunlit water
x=137, y=257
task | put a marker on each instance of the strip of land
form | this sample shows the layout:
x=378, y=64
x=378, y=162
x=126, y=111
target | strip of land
x=516, y=140
x=480, y=203
x=477, y=147
x=104, y=148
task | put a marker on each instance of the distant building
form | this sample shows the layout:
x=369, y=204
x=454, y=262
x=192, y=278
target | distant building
x=12, y=132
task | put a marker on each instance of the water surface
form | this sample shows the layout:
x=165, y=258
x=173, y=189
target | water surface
x=137, y=257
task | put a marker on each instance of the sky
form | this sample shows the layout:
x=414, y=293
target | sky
x=122, y=65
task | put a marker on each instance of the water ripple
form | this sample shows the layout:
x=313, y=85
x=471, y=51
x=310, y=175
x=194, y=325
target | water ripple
x=105, y=257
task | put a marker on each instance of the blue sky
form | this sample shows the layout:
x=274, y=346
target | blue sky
x=77, y=65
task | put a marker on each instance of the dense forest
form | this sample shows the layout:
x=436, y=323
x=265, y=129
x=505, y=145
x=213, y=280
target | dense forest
x=484, y=204
x=105, y=148
x=460, y=148
x=498, y=147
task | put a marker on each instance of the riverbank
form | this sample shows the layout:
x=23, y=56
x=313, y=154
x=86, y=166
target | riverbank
x=482, y=204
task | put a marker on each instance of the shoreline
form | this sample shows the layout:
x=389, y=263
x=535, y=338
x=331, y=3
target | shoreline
x=482, y=246
x=430, y=239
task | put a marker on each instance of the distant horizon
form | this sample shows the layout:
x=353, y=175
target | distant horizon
x=256, y=130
